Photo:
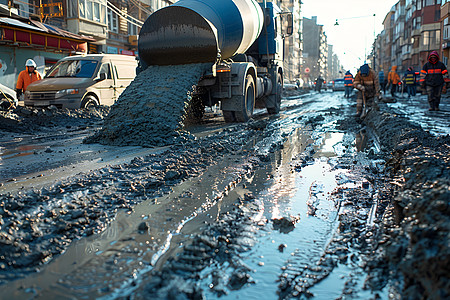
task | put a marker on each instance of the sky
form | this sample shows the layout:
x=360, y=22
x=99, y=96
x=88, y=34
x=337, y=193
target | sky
x=352, y=39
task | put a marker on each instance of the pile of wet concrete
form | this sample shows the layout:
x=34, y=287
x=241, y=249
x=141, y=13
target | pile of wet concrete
x=32, y=120
x=414, y=246
x=151, y=110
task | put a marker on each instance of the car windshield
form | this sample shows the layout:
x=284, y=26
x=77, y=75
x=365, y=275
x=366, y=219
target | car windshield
x=73, y=68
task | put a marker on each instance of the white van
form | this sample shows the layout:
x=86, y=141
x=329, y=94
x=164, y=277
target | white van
x=82, y=81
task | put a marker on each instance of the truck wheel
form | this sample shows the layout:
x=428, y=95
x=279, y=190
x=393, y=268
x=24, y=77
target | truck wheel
x=247, y=101
x=279, y=88
x=89, y=101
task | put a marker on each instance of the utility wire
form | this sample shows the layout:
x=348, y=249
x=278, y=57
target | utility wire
x=120, y=14
x=125, y=15
x=149, y=12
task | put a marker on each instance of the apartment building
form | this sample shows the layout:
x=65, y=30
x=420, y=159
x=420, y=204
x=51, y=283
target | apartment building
x=315, y=50
x=334, y=67
x=412, y=29
x=293, y=44
x=445, y=31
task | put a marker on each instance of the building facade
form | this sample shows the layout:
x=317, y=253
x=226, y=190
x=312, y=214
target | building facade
x=293, y=44
x=412, y=29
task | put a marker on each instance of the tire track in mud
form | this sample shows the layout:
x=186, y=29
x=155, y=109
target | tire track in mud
x=39, y=225
x=195, y=264
x=224, y=274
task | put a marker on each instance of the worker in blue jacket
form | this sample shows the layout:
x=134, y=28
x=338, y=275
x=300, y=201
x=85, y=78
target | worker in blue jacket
x=348, y=84
x=410, y=80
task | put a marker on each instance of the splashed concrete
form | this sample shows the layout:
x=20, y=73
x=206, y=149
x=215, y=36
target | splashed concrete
x=151, y=110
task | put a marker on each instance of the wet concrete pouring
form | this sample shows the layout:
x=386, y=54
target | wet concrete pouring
x=309, y=203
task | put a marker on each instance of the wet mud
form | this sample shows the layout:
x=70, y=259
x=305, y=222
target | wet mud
x=27, y=120
x=329, y=207
x=417, y=229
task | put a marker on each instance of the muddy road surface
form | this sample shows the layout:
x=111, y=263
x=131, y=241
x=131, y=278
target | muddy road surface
x=310, y=203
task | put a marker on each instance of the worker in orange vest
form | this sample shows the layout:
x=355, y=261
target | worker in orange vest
x=27, y=76
x=348, y=83
x=393, y=80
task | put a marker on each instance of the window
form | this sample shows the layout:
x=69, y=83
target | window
x=426, y=38
x=113, y=21
x=105, y=68
x=446, y=29
x=429, y=2
x=96, y=14
x=73, y=68
x=82, y=8
x=94, y=10
x=417, y=22
x=437, y=14
x=431, y=38
x=132, y=28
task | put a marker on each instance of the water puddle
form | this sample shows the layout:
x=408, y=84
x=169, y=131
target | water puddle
x=304, y=193
x=115, y=262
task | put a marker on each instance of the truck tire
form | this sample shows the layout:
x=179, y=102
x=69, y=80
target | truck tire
x=247, y=101
x=89, y=101
x=279, y=89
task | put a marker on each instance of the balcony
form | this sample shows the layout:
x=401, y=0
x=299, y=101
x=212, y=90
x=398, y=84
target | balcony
x=416, y=32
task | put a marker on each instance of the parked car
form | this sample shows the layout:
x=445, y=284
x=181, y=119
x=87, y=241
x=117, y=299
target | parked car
x=7, y=97
x=338, y=85
x=289, y=86
x=83, y=80
x=329, y=85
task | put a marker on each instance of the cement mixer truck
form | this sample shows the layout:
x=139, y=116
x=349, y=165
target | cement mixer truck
x=243, y=39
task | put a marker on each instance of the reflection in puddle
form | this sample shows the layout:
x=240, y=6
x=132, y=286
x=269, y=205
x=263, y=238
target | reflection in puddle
x=329, y=144
x=304, y=193
x=361, y=141
x=19, y=151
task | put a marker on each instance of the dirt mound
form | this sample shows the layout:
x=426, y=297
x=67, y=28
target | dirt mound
x=29, y=120
x=151, y=110
x=419, y=227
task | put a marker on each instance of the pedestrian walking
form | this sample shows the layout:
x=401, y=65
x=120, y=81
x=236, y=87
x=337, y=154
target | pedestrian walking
x=348, y=84
x=27, y=76
x=410, y=81
x=319, y=82
x=432, y=79
x=393, y=80
x=366, y=82
x=382, y=81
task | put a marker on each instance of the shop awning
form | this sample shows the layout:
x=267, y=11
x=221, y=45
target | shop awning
x=34, y=34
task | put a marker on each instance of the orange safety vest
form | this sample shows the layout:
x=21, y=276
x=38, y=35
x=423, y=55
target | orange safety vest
x=25, y=78
x=348, y=80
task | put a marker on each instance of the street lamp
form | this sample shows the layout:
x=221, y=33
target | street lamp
x=337, y=24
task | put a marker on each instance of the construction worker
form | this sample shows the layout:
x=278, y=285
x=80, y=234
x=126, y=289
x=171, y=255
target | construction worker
x=410, y=81
x=319, y=82
x=366, y=82
x=393, y=80
x=382, y=81
x=27, y=76
x=348, y=84
x=432, y=79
